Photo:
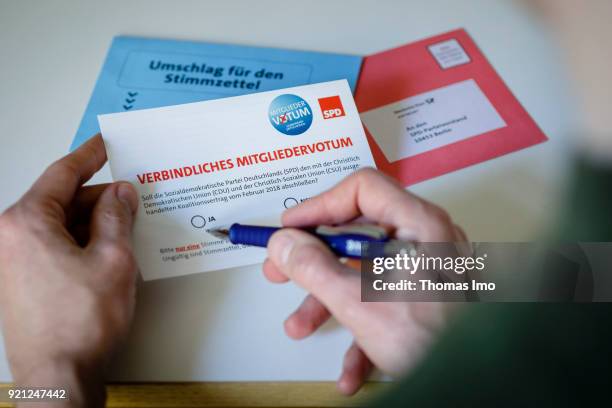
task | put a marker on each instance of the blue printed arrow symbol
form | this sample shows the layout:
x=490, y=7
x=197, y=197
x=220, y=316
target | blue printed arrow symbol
x=130, y=100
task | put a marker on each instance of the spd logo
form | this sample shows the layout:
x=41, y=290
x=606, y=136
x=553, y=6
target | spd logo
x=331, y=107
x=290, y=114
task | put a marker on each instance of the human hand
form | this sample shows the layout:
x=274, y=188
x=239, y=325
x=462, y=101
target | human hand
x=393, y=336
x=67, y=276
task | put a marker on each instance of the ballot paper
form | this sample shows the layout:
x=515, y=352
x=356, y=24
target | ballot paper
x=244, y=159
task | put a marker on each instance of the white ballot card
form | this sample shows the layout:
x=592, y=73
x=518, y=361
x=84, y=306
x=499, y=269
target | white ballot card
x=242, y=159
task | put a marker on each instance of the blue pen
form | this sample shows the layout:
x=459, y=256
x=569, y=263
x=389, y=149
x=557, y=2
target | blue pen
x=344, y=240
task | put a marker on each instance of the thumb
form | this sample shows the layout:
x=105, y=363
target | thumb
x=113, y=216
x=304, y=259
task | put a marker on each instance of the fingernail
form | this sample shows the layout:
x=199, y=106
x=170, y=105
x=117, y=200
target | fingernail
x=282, y=246
x=127, y=195
x=406, y=234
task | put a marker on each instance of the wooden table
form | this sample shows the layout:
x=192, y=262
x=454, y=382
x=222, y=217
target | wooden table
x=233, y=394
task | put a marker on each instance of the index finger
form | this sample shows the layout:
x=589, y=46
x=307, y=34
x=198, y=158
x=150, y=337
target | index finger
x=369, y=193
x=61, y=180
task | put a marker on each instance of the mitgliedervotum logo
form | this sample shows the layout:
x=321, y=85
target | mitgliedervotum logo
x=290, y=114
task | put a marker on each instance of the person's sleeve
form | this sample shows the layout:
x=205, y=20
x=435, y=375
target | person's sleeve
x=517, y=355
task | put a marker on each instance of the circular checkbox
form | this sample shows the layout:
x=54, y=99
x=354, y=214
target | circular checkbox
x=198, y=221
x=290, y=202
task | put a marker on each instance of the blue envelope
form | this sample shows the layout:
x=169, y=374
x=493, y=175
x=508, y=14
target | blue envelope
x=144, y=73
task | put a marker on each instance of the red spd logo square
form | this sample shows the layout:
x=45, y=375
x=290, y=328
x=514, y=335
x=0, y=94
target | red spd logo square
x=331, y=107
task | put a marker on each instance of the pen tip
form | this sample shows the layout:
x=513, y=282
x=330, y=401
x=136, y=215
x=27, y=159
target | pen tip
x=221, y=233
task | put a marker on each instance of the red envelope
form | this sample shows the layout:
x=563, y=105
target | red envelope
x=438, y=106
